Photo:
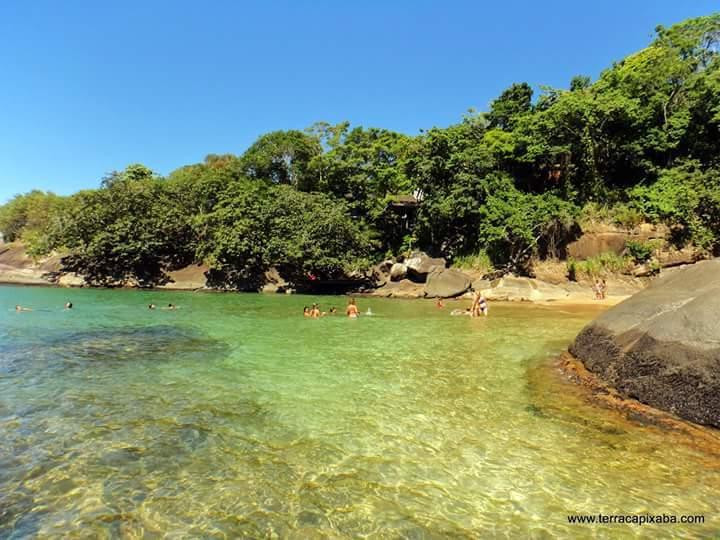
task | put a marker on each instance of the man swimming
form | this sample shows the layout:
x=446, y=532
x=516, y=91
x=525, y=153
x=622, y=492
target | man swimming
x=20, y=308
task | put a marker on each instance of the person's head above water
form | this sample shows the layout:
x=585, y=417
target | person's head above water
x=151, y=306
x=68, y=305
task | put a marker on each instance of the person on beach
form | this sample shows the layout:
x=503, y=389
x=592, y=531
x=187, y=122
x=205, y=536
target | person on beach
x=597, y=290
x=603, y=289
x=352, y=310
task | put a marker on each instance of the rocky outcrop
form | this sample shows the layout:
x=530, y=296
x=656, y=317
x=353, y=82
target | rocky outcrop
x=419, y=265
x=446, y=283
x=189, y=278
x=662, y=346
x=512, y=288
x=604, y=239
x=398, y=271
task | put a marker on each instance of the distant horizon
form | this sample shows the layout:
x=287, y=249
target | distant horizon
x=165, y=85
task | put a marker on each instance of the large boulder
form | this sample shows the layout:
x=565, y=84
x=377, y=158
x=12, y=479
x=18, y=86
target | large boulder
x=419, y=265
x=662, y=346
x=446, y=283
x=398, y=271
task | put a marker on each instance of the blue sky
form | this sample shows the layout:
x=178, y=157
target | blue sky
x=89, y=87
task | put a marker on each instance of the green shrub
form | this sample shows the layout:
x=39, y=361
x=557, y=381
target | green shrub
x=479, y=261
x=641, y=251
x=602, y=264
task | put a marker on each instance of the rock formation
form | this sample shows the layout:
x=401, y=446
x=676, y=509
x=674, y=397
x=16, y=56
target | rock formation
x=662, y=346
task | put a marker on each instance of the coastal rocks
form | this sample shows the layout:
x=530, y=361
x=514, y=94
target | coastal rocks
x=400, y=289
x=71, y=280
x=419, y=265
x=446, y=283
x=189, y=278
x=662, y=346
x=510, y=288
x=398, y=271
x=605, y=238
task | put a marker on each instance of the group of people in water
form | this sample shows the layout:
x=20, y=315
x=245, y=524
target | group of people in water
x=18, y=307
x=69, y=305
x=352, y=311
x=478, y=308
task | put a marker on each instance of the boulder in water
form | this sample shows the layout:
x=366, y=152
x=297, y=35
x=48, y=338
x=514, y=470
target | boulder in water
x=446, y=283
x=662, y=346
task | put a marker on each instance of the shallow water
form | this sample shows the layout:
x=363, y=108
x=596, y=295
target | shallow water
x=234, y=416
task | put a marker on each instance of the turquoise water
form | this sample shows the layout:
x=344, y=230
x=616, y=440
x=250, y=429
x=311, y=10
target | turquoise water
x=236, y=417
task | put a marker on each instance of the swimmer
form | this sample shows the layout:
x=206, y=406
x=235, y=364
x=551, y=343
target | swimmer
x=171, y=307
x=482, y=306
x=68, y=305
x=151, y=306
x=315, y=311
x=306, y=312
x=333, y=311
x=439, y=304
x=20, y=308
x=369, y=312
x=456, y=312
x=352, y=310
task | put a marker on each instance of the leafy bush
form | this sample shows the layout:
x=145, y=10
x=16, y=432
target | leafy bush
x=641, y=251
x=478, y=261
x=600, y=265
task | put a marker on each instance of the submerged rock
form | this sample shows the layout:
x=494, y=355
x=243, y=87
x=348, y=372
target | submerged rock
x=662, y=346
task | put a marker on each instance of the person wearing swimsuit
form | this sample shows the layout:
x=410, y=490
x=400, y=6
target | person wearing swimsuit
x=352, y=310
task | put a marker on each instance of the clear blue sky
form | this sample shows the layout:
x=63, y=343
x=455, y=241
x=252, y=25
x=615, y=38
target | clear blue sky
x=89, y=87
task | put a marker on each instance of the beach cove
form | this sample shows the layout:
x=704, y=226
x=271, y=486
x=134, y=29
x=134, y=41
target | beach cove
x=235, y=415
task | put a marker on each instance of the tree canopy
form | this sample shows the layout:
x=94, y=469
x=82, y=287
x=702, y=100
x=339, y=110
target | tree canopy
x=644, y=137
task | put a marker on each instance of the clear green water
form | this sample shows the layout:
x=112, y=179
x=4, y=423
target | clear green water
x=234, y=416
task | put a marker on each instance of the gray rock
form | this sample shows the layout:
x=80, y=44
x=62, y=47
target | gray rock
x=481, y=284
x=398, y=271
x=446, y=283
x=419, y=265
x=662, y=346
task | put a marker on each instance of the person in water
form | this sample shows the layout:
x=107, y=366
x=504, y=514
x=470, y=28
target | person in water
x=20, y=308
x=68, y=305
x=306, y=312
x=171, y=307
x=439, y=304
x=352, y=310
x=315, y=311
x=465, y=311
x=482, y=306
x=151, y=306
x=333, y=311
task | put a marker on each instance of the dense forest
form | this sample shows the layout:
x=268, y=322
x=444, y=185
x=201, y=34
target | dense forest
x=506, y=186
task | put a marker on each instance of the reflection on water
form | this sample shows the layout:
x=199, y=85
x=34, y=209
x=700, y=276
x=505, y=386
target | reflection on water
x=234, y=416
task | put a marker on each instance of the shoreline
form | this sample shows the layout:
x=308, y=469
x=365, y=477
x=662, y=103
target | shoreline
x=572, y=300
x=602, y=395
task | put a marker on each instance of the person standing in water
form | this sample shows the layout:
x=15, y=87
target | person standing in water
x=352, y=310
